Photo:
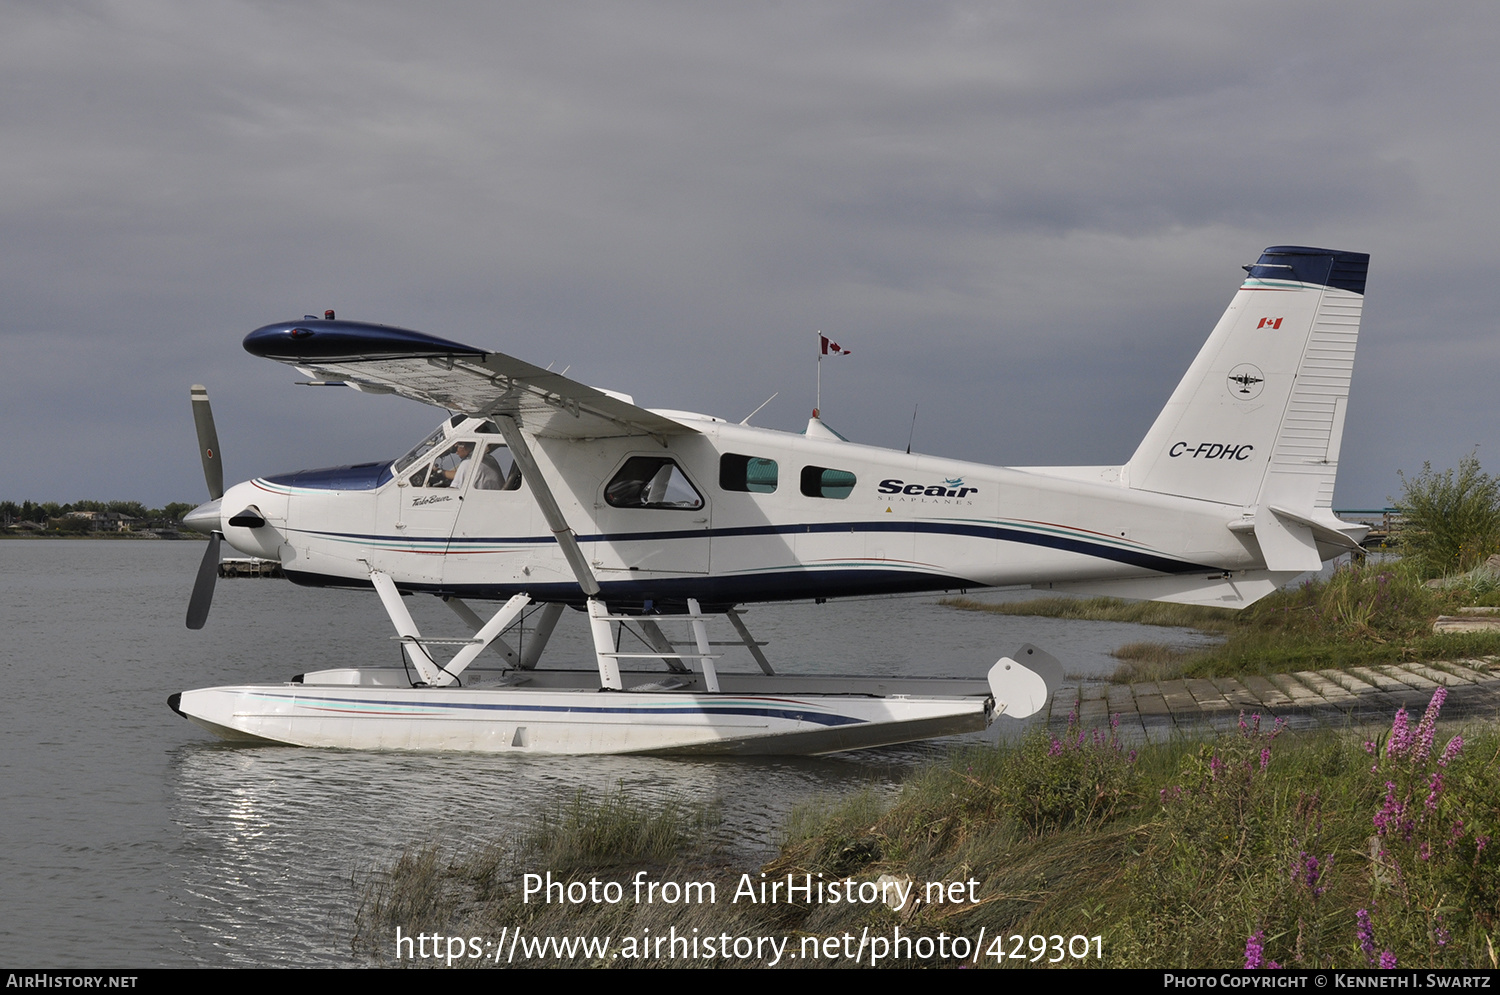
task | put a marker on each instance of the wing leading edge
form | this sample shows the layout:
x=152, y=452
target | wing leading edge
x=384, y=359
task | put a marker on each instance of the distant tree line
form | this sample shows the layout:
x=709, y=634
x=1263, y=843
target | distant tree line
x=45, y=512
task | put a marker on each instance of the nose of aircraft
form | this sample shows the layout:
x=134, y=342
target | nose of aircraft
x=205, y=518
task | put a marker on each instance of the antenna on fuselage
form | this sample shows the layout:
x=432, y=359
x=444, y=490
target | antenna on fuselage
x=752, y=414
x=913, y=434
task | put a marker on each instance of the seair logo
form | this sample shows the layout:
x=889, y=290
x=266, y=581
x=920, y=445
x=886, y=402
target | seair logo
x=1211, y=450
x=951, y=487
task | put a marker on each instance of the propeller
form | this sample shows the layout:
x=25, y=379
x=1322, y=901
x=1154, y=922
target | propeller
x=203, y=587
x=206, y=518
x=208, y=442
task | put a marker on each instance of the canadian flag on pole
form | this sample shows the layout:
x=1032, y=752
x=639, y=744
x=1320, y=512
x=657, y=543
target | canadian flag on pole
x=831, y=347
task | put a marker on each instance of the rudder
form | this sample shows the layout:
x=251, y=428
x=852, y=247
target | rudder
x=1259, y=416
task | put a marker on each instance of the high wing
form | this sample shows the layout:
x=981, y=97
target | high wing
x=384, y=359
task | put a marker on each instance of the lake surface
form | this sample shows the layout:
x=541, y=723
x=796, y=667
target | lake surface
x=134, y=839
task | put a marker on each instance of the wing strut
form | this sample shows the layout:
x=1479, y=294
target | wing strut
x=605, y=648
x=599, y=619
x=532, y=474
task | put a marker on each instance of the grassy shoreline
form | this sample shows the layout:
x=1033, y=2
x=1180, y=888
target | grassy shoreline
x=1326, y=849
x=1321, y=850
x=1362, y=615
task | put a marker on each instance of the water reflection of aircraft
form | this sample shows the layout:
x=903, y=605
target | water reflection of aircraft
x=541, y=492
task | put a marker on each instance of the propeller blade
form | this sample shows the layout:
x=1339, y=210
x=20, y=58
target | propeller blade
x=203, y=587
x=208, y=443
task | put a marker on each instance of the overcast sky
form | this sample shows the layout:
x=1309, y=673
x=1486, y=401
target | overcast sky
x=1023, y=218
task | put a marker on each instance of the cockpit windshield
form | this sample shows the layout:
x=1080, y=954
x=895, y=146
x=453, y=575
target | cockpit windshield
x=419, y=450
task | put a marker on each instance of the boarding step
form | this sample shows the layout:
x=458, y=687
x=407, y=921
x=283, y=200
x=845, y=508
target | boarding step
x=618, y=655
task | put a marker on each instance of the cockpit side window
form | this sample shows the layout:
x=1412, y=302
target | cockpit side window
x=418, y=451
x=652, y=482
x=442, y=471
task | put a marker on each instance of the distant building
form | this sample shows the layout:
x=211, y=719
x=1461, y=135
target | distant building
x=106, y=521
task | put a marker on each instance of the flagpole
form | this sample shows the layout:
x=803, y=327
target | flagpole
x=818, y=397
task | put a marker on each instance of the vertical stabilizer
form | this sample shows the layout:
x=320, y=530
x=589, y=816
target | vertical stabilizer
x=1258, y=419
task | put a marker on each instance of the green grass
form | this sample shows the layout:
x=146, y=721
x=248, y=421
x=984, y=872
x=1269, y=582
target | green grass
x=1332, y=849
x=433, y=889
x=1362, y=615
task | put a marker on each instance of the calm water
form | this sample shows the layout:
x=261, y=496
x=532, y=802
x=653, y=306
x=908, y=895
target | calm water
x=133, y=839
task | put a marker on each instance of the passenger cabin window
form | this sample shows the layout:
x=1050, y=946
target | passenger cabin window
x=652, y=482
x=747, y=473
x=496, y=470
x=821, y=482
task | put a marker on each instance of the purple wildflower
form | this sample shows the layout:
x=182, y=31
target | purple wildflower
x=1387, y=961
x=1056, y=748
x=1255, y=950
x=1399, y=743
x=1265, y=757
x=1454, y=748
x=1428, y=725
x=1434, y=788
x=1366, y=933
x=1389, y=816
x=1309, y=870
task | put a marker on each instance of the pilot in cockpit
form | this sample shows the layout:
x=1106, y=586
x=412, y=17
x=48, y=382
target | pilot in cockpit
x=487, y=475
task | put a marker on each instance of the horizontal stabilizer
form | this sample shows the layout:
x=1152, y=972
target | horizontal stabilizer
x=1333, y=531
x=1286, y=544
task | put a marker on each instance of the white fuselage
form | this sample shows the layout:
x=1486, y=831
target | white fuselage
x=908, y=523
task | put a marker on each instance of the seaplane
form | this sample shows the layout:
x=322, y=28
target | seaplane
x=540, y=494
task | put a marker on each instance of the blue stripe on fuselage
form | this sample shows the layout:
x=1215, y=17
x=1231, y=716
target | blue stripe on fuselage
x=998, y=533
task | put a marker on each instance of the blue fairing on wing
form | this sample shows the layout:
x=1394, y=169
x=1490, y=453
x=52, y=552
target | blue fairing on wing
x=1326, y=267
x=355, y=477
x=329, y=341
